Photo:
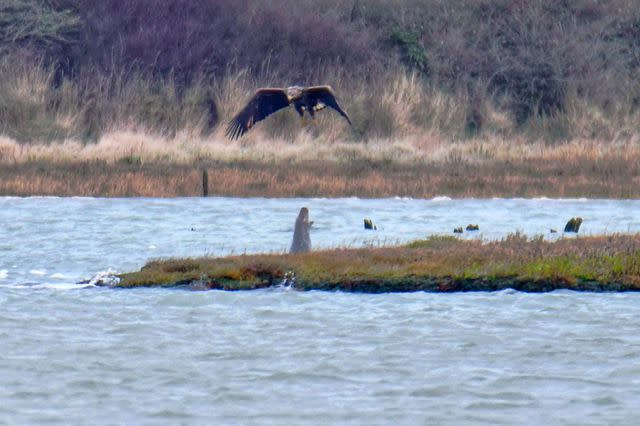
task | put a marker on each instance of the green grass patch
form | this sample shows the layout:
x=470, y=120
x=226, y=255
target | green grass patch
x=434, y=264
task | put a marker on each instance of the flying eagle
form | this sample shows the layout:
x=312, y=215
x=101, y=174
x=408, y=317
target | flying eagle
x=269, y=100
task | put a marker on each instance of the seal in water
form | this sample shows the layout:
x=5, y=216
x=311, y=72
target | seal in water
x=301, y=240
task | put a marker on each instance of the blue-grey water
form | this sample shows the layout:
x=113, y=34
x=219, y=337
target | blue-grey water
x=73, y=354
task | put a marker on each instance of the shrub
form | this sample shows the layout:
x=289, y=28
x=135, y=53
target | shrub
x=186, y=38
x=412, y=49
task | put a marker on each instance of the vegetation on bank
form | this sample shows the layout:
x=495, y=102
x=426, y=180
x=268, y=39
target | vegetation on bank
x=80, y=70
x=559, y=173
x=463, y=98
x=439, y=264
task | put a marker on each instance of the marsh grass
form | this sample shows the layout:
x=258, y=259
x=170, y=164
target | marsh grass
x=394, y=105
x=409, y=137
x=130, y=164
x=602, y=262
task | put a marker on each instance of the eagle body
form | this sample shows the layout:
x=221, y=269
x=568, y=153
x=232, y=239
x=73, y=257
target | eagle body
x=266, y=101
x=303, y=100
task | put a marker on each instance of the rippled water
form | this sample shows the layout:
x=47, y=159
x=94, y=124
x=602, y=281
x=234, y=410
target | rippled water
x=92, y=355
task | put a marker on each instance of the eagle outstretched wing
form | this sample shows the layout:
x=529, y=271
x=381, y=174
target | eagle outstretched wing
x=264, y=103
x=325, y=96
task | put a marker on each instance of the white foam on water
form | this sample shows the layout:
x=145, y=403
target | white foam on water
x=353, y=198
x=38, y=272
x=41, y=197
x=572, y=200
x=556, y=200
x=3, y=274
x=59, y=286
x=441, y=198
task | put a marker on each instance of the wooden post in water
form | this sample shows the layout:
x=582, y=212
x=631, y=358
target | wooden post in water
x=205, y=183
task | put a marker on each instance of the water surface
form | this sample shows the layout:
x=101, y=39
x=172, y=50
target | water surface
x=92, y=355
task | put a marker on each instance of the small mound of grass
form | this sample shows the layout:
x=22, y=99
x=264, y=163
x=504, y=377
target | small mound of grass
x=607, y=263
x=436, y=242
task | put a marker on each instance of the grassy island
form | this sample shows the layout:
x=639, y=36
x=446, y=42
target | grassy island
x=436, y=264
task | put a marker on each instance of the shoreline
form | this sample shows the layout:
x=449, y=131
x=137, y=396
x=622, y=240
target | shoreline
x=424, y=284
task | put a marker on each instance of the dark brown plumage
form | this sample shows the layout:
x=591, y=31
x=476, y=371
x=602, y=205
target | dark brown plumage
x=269, y=100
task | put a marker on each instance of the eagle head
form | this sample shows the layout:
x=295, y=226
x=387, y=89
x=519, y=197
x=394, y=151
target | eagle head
x=294, y=93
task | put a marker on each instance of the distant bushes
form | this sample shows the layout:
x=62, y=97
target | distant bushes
x=155, y=62
x=186, y=38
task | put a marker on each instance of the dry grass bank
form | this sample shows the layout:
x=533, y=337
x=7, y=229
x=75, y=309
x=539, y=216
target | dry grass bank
x=472, y=169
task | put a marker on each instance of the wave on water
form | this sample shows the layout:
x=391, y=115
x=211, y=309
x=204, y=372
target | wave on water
x=38, y=272
x=36, y=197
x=288, y=282
x=441, y=198
x=351, y=198
x=4, y=274
x=561, y=200
x=55, y=286
x=59, y=276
